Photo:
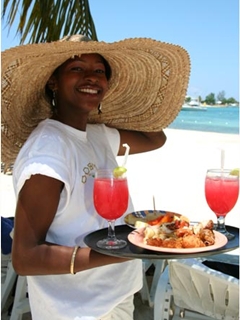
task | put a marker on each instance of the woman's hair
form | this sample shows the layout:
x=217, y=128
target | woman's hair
x=107, y=68
x=108, y=71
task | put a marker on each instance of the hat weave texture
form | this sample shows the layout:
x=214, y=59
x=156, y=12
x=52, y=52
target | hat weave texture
x=146, y=90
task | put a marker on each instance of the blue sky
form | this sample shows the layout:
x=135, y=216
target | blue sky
x=207, y=29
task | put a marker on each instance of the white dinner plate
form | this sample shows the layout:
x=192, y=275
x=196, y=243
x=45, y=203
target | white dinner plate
x=136, y=237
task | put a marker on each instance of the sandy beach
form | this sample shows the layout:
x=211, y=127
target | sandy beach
x=174, y=175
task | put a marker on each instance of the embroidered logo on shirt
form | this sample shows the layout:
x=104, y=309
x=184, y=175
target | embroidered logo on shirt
x=89, y=171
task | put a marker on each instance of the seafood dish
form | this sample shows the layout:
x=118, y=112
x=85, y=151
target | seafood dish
x=174, y=231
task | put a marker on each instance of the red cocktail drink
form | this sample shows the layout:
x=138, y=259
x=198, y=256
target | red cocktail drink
x=221, y=194
x=110, y=197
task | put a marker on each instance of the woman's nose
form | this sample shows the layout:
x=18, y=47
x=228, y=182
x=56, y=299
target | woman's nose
x=90, y=75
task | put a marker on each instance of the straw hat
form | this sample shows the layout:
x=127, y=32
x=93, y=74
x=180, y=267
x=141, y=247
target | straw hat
x=146, y=90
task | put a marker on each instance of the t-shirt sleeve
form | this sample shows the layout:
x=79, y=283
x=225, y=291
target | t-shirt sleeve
x=52, y=164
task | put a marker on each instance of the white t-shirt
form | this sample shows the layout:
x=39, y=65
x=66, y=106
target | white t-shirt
x=71, y=156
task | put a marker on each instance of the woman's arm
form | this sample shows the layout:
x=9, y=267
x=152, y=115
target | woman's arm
x=141, y=141
x=32, y=255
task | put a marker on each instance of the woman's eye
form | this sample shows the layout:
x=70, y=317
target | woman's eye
x=81, y=69
x=77, y=69
x=100, y=71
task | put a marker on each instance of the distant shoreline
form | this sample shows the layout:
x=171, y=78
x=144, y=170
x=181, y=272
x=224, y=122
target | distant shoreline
x=213, y=105
x=218, y=106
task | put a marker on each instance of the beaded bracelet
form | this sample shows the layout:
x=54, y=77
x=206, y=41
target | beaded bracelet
x=73, y=260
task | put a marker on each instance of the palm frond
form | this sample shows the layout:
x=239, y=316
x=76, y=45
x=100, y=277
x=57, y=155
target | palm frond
x=49, y=20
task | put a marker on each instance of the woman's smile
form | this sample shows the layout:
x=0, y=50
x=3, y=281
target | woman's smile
x=88, y=90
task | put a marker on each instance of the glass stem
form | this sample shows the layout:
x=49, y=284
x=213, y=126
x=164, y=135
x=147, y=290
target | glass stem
x=221, y=223
x=111, y=230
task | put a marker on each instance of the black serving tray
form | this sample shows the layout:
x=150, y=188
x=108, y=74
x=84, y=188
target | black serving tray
x=132, y=251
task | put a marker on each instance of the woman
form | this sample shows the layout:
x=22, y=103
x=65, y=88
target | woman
x=53, y=175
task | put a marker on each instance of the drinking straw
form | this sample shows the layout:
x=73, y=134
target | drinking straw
x=126, y=154
x=222, y=159
x=154, y=205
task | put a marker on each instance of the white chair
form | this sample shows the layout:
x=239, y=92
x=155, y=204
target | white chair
x=188, y=289
x=148, y=293
x=8, y=280
x=21, y=302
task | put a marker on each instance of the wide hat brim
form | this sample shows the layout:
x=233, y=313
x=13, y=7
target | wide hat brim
x=146, y=91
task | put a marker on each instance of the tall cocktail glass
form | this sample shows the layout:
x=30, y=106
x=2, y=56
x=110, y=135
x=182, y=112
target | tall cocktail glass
x=110, y=196
x=221, y=192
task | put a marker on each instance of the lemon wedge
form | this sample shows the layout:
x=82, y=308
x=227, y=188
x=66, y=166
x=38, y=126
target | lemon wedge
x=235, y=172
x=119, y=171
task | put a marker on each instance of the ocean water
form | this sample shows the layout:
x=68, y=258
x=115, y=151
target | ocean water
x=214, y=119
